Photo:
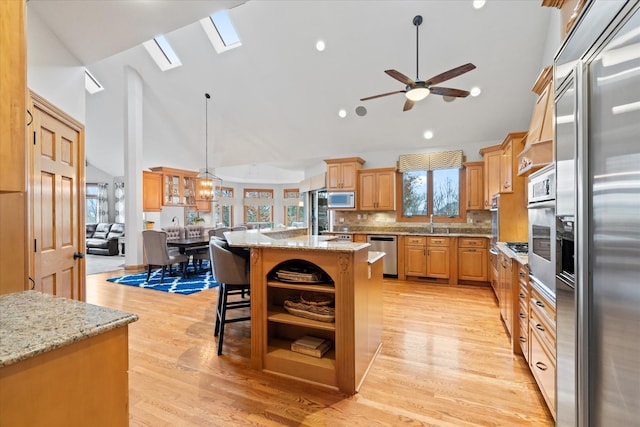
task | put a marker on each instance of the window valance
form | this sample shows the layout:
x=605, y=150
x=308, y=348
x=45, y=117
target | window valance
x=430, y=161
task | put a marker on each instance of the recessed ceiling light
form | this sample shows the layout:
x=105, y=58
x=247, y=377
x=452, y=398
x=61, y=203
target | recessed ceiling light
x=475, y=91
x=428, y=134
x=478, y=3
x=342, y=113
x=361, y=110
x=320, y=45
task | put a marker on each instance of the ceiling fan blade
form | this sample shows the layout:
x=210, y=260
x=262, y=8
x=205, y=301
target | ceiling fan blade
x=408, y=105
x=400, y=77
x=454, y=72
x=382, y=94
x=445, y=91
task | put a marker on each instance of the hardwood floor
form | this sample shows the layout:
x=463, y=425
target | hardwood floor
x=445, y=361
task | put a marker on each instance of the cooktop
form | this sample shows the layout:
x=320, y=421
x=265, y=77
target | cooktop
x=518, y=247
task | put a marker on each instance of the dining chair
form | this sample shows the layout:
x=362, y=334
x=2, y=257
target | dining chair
x=157, y=254
x=230, y=272
x=200, y=254
x=219, y=231
x=174, y=233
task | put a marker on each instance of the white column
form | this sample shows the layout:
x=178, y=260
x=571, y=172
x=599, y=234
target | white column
x=133, y=138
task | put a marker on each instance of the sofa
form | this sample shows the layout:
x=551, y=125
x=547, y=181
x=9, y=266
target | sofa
x=102, y=238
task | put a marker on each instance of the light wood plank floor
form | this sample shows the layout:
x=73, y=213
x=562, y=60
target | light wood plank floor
x=445, y=361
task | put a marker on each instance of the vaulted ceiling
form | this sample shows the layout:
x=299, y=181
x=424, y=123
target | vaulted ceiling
x=275, y=100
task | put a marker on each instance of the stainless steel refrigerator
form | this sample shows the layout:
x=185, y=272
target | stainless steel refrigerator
x=597, y=72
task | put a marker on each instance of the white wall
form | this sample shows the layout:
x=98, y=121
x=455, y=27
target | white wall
x=52, y=71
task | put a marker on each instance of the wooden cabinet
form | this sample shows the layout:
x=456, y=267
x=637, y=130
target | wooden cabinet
x=538, y=150
x=415, y=256
x=523, y=310
x=342, y=174
x=360, y=238
x=438, y=257
x=472, y=259
x=505, y=289
x=355, y=332
x=377, y=189
x=500, y=167
x=491, y=177
x=494, y=277
x=474, y=185
x=178, y=186
x=13, y=103
x=542, y=350
x=151, y=191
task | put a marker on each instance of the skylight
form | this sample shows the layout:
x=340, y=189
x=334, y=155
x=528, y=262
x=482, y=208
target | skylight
x=91, y=84
x=162, y=53
x=220, y=31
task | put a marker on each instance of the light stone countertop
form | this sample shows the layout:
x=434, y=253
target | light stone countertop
x=375, y=256
x=257, y=239
x=32, y=323
x=521, y=258
x=436, y=233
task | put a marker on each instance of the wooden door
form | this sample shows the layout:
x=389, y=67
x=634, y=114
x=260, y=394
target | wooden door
x=386, y=185
x=57, y=201
x=492, y=164
x=438, y=262
x=474, y=183
x=367, y=191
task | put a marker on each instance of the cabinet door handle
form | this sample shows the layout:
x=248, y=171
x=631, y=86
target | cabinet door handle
x=541, y=366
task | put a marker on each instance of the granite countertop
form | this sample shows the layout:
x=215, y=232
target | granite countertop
x=417, y=232
x=33, y=323
x=257, y=239
x=375, y=256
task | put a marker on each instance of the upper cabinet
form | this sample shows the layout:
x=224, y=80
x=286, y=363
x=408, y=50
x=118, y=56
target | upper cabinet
x=342, y=174
x=500, y=167
x=377, y=189
x=178, y=186
x=151, y=191
x=538, y=150
x=474, y=182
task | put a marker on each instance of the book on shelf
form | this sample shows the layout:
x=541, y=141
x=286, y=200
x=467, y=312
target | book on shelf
x=312, y=346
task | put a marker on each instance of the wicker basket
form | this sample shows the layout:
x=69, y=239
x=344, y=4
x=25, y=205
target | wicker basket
x=314, y=311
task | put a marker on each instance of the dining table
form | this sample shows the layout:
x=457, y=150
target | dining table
x=189, y=246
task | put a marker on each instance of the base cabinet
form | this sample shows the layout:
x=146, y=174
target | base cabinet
x=438, y=257
x=356, y=288
x=472, y=259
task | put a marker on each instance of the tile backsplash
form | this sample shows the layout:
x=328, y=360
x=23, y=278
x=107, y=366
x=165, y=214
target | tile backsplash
x=477, y=221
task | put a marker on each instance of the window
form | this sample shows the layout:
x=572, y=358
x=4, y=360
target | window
x=220, y=31
x=293, y=209
x=434, y=192
x=91, y=201
x=224, y=208
x=162, y=53
x=258, y=206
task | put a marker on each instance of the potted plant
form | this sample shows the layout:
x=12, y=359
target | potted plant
x=148, y=224
x=198, y=220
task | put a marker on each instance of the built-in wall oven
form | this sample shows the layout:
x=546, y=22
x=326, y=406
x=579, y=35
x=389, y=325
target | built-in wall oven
x=542, y=227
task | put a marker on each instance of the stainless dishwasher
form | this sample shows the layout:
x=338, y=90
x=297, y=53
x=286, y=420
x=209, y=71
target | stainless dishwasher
x=388, y=245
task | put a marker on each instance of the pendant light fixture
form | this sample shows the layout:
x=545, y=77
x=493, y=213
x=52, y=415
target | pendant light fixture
x=209, y=185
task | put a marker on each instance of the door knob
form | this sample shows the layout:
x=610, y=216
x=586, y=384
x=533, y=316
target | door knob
x=77, y=255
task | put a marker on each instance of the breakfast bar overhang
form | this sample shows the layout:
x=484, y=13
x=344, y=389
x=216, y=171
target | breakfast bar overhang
x=353, y=280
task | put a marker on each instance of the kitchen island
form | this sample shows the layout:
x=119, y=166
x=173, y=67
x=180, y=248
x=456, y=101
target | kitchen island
x=62, y=362
x=346, y=274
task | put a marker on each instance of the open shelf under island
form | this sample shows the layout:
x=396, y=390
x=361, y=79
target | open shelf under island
x=353, y=285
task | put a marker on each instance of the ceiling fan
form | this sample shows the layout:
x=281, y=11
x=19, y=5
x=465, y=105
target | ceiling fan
x=419, y=89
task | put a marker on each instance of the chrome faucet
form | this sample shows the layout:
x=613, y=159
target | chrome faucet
x=431, y=223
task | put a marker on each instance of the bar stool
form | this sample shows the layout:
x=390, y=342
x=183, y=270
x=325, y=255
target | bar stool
x=230, y=272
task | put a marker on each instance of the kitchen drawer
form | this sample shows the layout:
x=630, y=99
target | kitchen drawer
x=415, y=240
x=472, y=242
x=523, y=275
x=545, y=329
x=546, y=307
x=524, y=338
x=437, y=241
x=523, y=293
x=543, y=366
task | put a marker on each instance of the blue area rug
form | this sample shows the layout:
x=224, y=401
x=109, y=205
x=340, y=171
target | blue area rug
x=194, y=282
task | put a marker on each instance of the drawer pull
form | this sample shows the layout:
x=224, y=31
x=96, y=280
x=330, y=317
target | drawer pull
x=521, y=274
x=541, y=366
x=472, y=250
x=539, y=304
x=539, y=327
x=522, y=339
x=523, y=316
x=521, y=295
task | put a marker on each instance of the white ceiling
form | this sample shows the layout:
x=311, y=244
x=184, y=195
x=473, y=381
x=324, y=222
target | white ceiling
x=274, y=101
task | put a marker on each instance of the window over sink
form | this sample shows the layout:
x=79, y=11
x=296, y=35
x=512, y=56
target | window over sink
x=434, y=192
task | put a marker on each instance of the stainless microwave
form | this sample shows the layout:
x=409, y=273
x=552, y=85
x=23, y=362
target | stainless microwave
x=341, y=200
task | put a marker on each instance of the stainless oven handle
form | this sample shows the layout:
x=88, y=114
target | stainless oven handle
x=541, y=205
x=493, y=251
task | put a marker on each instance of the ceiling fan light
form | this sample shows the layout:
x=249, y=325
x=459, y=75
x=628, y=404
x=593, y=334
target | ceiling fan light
x=417, y=93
